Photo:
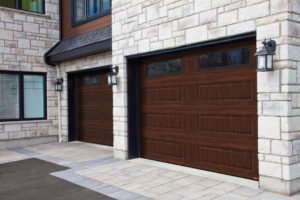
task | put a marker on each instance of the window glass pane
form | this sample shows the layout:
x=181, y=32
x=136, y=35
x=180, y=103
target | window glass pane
x=33, y=96
x=165, y=67
x=9, y=96
x=8, y=3
x=89, y=80
x=33, y=5
x=106, y=4
x=79, y=10
x=94, y=6
x=227, y=58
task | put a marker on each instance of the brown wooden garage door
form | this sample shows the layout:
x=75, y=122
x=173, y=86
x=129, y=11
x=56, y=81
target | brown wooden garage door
x=94, y=109
x=199, y=109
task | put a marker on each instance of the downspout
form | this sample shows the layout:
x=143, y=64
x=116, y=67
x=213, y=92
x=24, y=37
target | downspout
x=59, y=108
x=58, y=74
x=49, y=62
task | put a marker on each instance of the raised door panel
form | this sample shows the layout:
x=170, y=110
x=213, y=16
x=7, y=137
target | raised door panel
x=203, y=119
x=94, y=109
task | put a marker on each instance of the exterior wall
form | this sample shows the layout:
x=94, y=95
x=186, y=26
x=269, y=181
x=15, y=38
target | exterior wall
x=89, y=62
x=24, y=38
x=68, y=31
x=279, y=110
x=144, y=26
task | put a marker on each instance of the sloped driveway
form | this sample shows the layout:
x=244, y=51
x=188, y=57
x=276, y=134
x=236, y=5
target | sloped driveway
x=93, y=167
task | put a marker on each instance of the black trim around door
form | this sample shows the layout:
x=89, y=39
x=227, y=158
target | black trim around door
x=72, y=98
x=133, y=62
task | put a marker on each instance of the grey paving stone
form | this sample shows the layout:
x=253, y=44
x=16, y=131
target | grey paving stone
x=98, y=187
x=88, y=183
x=55, y=160
x=231, y=196
x=247, y=191
x=108, y=189
x=75, y=178
x=25, y=152
x=124, y=195
x=144, y=198
x=92, y=163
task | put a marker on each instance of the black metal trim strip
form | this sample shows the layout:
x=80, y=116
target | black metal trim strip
x=105, y=67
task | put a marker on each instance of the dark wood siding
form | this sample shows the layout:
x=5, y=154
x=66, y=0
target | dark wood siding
x=205, y=119
x=68, y=31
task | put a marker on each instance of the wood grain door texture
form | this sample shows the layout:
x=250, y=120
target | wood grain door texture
x=203, y=115
x=94, y=109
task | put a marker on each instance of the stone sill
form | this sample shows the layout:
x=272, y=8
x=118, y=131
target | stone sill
x=24, y=12
x=25, y=122
x=29, y=138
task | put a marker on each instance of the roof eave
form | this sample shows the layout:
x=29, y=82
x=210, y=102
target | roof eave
x=99, y=47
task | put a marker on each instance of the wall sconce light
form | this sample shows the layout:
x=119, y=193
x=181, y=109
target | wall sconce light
x=58, y=84
x=112, y=76
x=265, y=56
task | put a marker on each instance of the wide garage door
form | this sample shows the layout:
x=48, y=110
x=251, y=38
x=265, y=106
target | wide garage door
x=199, y=109
x=94, y=109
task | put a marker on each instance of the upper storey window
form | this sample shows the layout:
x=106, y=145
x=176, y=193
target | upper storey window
x=28, y=5
x=86, y=10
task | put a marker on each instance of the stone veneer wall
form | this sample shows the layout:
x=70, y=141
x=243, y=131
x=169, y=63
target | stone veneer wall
x=24, y=38
x=147, y=25
x=98, y=60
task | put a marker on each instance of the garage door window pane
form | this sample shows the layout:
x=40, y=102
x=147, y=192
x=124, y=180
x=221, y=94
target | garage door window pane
x=164, y=67
x=33, y=96
x=89, y=80
x=9, y=96
x=227, y=58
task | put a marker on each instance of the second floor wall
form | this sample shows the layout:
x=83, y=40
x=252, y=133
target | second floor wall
x=83, y=16
x=25, y=36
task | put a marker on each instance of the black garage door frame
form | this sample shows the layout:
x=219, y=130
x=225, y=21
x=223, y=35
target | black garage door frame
x=133, y=84
x=72, y=98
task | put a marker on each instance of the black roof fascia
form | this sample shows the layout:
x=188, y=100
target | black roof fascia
x=80, y=52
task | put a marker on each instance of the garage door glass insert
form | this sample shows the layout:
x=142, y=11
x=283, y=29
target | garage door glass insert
x=227, y=58
x=205, y=119
x=164, y=67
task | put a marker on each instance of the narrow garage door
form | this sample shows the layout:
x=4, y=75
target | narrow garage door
x=94, y=109
x=199, y=109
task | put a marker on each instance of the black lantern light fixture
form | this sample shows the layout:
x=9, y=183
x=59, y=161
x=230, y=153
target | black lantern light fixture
x=112, y=76
x=58, y=84
x=265, y=56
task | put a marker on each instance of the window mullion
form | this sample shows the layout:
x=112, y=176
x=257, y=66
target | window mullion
x=21, y=96
x=18, y=4
x=86, y=8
